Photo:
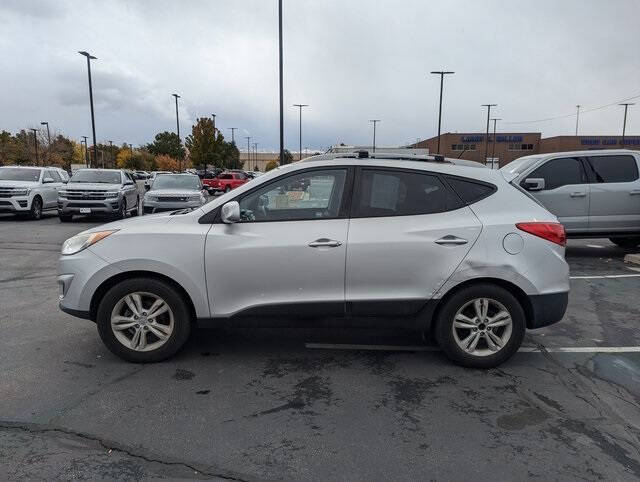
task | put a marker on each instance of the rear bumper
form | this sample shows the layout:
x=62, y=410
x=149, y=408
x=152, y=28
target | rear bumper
x=547, y=309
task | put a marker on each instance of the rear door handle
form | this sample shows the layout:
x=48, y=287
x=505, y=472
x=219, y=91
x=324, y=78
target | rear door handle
x=450, y=240
x=324, y=243
x=578, y=194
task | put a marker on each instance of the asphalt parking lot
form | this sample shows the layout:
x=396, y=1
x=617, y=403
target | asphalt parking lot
x=300, y=402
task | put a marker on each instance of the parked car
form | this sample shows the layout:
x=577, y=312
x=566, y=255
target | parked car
x=170, y=192
x=225, y=182
x=29, y=190
x=454, y=251
x=595, y=194
x=98, y=191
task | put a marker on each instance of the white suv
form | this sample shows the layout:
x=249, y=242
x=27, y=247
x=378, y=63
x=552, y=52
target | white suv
x=455, y=251
x=29, y=190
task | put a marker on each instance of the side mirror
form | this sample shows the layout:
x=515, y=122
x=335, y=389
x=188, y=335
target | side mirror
x=230, y=212
x=534, y=184
x=147, y=187
x=47, y=180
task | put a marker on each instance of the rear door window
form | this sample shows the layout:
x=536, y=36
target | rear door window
x=607, y=169
x=470, y=191
x=560, y=172
x=391, y=192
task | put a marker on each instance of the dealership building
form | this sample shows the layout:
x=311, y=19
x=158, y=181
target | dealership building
x=512, y=145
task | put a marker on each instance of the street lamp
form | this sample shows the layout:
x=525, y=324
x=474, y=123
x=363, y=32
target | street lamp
x=441, y=73
x=493, y=155
x=86, y=154
x=624, y=122
x=486, y=143
x=93, y=122
x=178, y=129
x=111, y=152
x=281, y=88
x=255, y=154
x=374, y=121
x=233, y=129
x=248, y=138
x=300, y=106
x=35, y=139
x=577, y=117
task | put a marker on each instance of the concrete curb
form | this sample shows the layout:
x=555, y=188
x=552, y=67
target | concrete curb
x=632, y=258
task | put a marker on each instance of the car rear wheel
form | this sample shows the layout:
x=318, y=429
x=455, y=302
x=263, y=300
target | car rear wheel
x=481, y=326
x=122, y=211
x=65, y=218
x=36, y=208
x=143, y=320
x=630, y=242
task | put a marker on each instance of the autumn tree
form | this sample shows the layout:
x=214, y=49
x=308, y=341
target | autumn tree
x=168, y=144
x=166, y=163
x=270, y=165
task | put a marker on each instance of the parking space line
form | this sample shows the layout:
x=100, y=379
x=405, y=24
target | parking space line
x=524, y=349
x=606, y=276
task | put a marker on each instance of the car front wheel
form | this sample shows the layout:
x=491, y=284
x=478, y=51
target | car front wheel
x=36, y=208
x=481, y=326
x=143, y=320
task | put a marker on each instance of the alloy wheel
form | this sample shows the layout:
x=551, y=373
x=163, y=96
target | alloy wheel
x=482, y=327
x=142, y=321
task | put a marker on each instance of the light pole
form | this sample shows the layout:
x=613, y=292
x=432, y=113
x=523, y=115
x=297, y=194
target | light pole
x=248, y=138
x=255, y=155
x=178, y=128
x=86, y=154
x=441, y=73
x=233, y=129
x=281, y=88
x=577, y=117
x=48, y=137
x=111, y=152
x=93, y=122
x=624, y=122
x=300, y=106
x=493, y=154
x=35, y=139
x=486, y=143
x=374, y=121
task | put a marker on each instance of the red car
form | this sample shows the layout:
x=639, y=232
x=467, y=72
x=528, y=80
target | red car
x=225, y=182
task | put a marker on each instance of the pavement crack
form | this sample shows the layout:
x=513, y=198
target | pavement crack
x=115, y=447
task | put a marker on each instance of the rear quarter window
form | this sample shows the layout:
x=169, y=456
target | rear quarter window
x=470, y=191
x=614, y=168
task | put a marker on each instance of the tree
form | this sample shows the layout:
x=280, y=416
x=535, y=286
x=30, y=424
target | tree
x=166, y=163
x=270, y=165
x=202, y=144
x=287, y=158
x=167, y=144
x=230, y=155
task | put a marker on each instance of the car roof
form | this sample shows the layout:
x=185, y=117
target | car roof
x=26, y=167
x=589, y=152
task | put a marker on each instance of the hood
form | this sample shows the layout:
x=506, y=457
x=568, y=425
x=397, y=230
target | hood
x=19, y=183
x=133, y=223
x=174, y=192
x=93, y=186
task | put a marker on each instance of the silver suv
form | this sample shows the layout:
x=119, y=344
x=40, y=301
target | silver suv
x=170, y=192
x=455, y=251
x=595, y=194
x=29, y=190
x=98, y=191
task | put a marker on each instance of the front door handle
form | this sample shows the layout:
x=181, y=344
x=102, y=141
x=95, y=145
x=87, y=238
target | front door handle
x=578, y=194
x=324, y=243
x=450, y=240
x=635, y=192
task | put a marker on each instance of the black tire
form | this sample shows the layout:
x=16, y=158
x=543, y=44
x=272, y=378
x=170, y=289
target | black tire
x=227, y=189
x=122, y=210
x=136, y=210
x=65, y=218
x=445, y=318
x=36, y=208
x=628, y=243
x=181, y=313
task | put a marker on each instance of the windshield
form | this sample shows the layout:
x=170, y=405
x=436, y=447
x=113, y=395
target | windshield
x=518, y=166
x=179, y=181
x=101, y=177
x=19, y=174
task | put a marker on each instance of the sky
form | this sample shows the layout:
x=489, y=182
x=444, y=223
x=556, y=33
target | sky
x=350, y=60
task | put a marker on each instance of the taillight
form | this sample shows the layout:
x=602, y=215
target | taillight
x=553, y=232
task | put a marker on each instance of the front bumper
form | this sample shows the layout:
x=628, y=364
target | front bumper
x=547, y=309
x=74, y=206
x=150, y=207
x=15, y=204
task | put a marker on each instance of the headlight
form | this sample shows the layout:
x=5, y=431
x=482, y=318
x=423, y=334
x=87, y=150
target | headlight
x=111, y=194
x=81, y=241
x=21, y=192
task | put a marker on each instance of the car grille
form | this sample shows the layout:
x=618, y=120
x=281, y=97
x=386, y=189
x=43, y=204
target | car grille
x=175, y=199
x=85, y=205
x=6, y=192
x=84, y=195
